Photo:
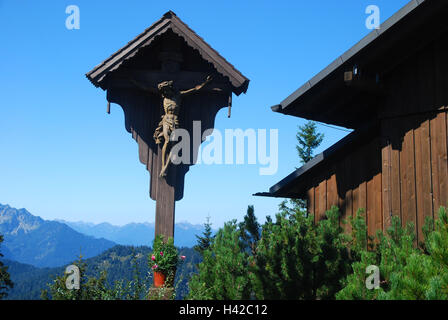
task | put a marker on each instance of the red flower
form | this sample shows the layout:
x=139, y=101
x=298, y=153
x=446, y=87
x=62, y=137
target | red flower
x=161, y=253
x=155, y=266
x=183, y=257
x=153, y=257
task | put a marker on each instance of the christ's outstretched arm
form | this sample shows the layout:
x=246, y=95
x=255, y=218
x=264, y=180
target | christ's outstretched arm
x=197, y=88
x=143, y=88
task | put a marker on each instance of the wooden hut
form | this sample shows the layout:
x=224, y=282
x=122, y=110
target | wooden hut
x=392, y=89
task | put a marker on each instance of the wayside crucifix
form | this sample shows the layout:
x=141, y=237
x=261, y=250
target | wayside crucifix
x=164, y=79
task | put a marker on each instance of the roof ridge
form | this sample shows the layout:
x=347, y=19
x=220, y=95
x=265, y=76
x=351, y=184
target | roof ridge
x=169, y=14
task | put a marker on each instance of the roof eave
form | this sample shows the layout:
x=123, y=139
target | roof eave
x=354, y=138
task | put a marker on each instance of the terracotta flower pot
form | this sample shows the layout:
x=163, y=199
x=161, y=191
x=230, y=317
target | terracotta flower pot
x=159, y=279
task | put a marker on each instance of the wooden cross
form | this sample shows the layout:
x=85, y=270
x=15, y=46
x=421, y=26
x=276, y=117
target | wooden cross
x=167, y=51
x=147, y=82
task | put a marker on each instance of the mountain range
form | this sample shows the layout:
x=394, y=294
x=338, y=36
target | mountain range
x=137, y=234
x=43, y=243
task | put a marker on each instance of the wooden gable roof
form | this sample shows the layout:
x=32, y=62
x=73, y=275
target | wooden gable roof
x=328, y=98
x=169, y=21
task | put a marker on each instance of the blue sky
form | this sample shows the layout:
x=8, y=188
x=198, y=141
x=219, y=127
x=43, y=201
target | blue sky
x=63, y=157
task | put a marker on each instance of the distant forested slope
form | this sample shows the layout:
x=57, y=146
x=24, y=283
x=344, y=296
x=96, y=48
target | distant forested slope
x=29, y=280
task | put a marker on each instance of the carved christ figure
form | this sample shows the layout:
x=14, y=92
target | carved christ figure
x=172, y=98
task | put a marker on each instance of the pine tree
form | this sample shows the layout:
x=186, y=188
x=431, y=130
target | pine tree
x=205, y=240
x=250, y=230
x=139, y=286
x=308, y=140
x=5, y=280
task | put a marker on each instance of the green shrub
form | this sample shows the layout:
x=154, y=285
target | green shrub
x=407, y=271
x=90, y=288
x=223, y=272
x=297, y=259
x=293, y=259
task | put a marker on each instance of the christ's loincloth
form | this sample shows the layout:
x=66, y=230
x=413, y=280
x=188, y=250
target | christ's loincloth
x=171, y=123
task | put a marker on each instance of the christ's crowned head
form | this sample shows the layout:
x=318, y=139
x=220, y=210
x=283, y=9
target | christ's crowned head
x=167, y=88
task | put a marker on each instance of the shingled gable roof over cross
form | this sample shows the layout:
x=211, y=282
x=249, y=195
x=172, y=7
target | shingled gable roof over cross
x=169, y=21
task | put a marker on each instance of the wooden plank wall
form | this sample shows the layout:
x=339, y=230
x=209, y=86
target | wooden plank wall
x=352, y=183
x=403, y=171
x=415, y=174
x=414, y=137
